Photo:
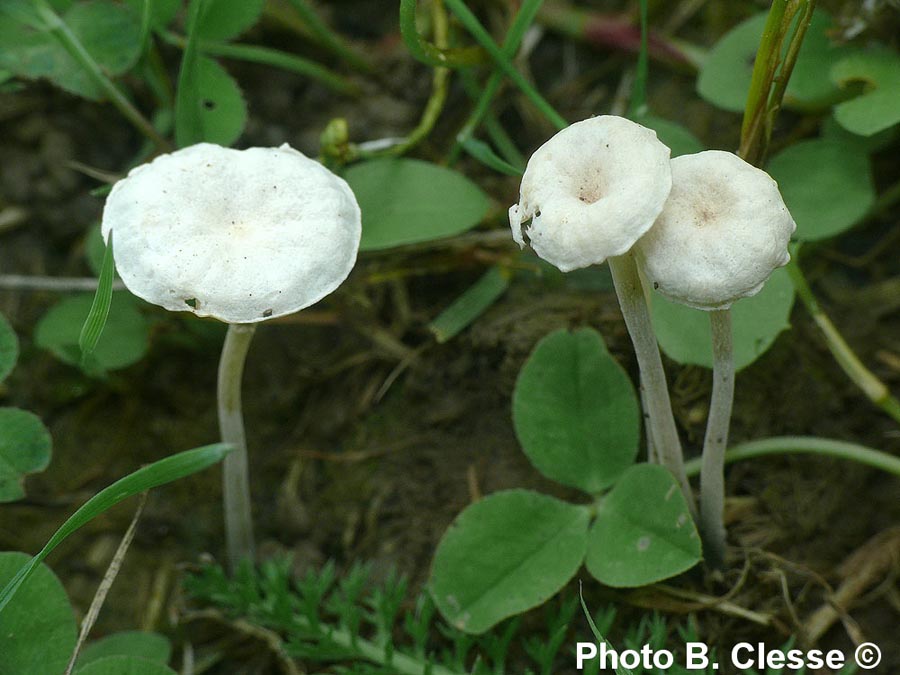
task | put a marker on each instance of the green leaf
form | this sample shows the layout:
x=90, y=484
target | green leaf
x=146, y=478
x=679, y=139
x=470, y=305
x=214, y=102
x=684, y=334
x=25, y=446
x=878, y=108
x=37, y=630
x=405, y=201
x=644, y=532
x=124, y=340
x=505, y=554
x=726, y=72
x=811, y=86
x=832, y=130
x=575, y=411
x=109, y=32
x=9, y=348
x=827, y=186
x=99, y=312
x=125, y=665
x=162, y=12
x=226, y=19
x=149, y=646
x=223, y=111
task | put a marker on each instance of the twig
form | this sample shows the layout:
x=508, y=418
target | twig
x=111, y=572
x=25, y=282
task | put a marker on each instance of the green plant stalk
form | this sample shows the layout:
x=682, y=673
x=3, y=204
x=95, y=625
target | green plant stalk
x=638, y=104
x=328, y=38
x=473, y=25
x=764, y=67
x=72, y=44
x=235, y=473
x=806, y=445
x=514, y=36
x=427, y=53
x=664, y=433
x=271, y=57
x=862, y=377
x=784, y=75
x=766, y=89
x=712, y=475
x=495, y=130
x=436, y=100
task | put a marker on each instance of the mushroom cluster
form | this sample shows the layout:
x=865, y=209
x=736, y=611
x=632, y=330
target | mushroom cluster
x=705, y=230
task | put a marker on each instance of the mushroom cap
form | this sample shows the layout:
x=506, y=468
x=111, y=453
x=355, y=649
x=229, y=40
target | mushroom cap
x=591, y=191
x=239, y=235
x=722, y=232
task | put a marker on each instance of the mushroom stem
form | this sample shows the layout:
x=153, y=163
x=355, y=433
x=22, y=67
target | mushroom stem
x=235, y=479
x=712, y=471
x=655, y=392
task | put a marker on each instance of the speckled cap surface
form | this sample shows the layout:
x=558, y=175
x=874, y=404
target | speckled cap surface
x=238, y=235
x=591, y=191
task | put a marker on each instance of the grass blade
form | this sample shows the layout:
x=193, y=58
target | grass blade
x=483, y=37
x=620, y=670
x=471, y=304
x=638, y=104
x=485, y=154
x=96, y=318
x=147, y=477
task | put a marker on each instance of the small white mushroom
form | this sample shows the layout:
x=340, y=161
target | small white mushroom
x=239, y=235
x=721, y=233
x=587, y=196
x=591, y=191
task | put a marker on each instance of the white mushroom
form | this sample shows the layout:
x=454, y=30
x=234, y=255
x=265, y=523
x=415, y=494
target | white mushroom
x=241, y=236
x=722, y=232
x=591, y=191
x=587, y=196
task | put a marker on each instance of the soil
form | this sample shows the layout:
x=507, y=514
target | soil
x=366, y=437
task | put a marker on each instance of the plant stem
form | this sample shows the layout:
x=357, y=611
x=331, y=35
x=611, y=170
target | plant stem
x=807, y=445
x=524, y=18
x=235, y=478
x=862, y=377
x=664, y=433
x=26, y=282
x=271, y=57
x=439, y=85
x=72, y=44
x=712, y=475
x=481, y=35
